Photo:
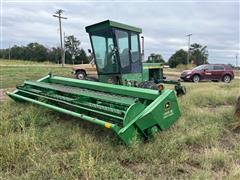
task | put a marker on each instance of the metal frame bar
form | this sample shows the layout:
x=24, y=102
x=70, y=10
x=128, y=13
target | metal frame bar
x=58, y=109
x=109, y=88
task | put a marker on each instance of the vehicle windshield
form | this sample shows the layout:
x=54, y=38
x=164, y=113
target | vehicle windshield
x=200, y=67
x=104, y=51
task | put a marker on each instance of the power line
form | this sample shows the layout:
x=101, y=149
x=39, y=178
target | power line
x=58, y=14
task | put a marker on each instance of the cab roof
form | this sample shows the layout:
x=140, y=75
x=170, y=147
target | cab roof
x=111, y=24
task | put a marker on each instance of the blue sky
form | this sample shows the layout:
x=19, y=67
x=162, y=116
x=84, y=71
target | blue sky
x=165, y=24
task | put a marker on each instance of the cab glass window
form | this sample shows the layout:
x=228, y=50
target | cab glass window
x=105, y=55
x=135, y=48
x=123, y=50
x=136, y=66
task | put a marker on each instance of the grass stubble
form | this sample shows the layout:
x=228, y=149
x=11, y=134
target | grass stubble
x=36, y=143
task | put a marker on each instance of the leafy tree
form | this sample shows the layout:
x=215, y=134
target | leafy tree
x=82, y=57
x=4, y=53
x=199, y=54
x=54, y=55
x=232, y=66
x=179, y=57
x=17, y=52
x=35, y=51
x=72, y=47
x=155, y=58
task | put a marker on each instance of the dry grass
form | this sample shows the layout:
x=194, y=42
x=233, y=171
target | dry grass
x=36, y=143
x=237, y=114
x=10, y=76
x=6, y=62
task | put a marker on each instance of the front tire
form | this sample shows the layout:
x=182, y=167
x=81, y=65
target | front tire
x=81, y=75
x=196, y=78
x=227, y=79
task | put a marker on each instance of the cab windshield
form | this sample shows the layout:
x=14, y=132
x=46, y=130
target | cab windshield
x=116, y=51
x=105, y=53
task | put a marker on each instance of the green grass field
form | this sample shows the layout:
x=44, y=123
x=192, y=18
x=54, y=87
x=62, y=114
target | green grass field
x=15, y=72
x=36, y=143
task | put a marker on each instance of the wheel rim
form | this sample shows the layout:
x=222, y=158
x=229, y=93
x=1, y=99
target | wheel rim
x=195, y=78
x=80, y=76
x=226, y=79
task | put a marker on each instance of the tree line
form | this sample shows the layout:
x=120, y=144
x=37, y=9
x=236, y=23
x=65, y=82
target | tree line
x=76, y=55
x=38, y=52
x=198, y=55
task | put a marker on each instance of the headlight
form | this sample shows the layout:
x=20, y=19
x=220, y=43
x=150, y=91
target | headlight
x=189, y=72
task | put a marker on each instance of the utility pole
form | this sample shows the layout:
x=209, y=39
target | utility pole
x=58, y=14
x=237, y=71
x=64, y=52
x=142, y=48
x=9, y=53
x=188, y=55
x=236, y=60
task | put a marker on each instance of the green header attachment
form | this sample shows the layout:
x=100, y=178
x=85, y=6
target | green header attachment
x=130, y=112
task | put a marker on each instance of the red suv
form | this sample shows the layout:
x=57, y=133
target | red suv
x=213, y=72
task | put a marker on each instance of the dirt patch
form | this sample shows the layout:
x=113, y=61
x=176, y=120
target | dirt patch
x=215, y=108
x=237, y=114
x=172, y=77
x=136, y=167
x=3, y=94
x=194, y=163
x=225, y=143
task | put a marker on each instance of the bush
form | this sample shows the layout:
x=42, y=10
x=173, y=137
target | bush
x=182, y=67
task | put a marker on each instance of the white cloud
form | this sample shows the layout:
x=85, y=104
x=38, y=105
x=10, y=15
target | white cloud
x=164, y=25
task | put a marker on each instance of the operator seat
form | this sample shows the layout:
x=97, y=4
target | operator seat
x=124, y=60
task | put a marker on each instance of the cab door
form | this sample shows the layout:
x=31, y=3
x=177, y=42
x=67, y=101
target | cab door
x=123, y=50
x=128, y=46
x=135, y=55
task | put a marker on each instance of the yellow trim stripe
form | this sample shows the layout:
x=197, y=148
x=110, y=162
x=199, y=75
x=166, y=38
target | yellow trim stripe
x=152, y=67
x=107, y=125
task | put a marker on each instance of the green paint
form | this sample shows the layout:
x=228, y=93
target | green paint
x=131, y=78
x=111, y=24
x=115, y=104
x=152, y=66
x=130, y=112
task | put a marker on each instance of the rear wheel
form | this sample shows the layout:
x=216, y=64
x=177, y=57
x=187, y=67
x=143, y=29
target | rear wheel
x=81, y=75
x=196, y=78
x=226, y=79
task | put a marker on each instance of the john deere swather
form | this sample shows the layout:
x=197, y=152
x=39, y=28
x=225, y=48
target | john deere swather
x=129, y=111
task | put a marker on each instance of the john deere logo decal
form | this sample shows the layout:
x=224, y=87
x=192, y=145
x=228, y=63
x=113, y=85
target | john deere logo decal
x=168, y=111
x=167, y=106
